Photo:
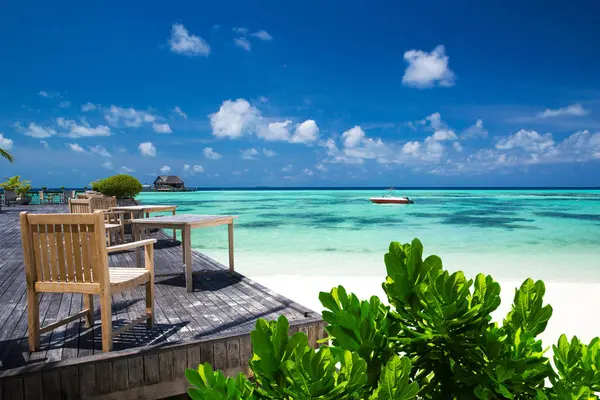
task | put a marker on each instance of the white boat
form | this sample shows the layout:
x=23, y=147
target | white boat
x=389, y=198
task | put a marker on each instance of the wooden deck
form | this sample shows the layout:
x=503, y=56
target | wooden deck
x=211, y=324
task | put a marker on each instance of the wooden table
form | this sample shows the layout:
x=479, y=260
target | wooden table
x=146, y=210
x=185, y=223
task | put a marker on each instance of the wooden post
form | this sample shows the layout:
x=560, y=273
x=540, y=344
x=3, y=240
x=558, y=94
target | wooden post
x=100, y=258
x=174, y=230
x=187, y=239
x=135, y=231
x=149, y=264
x=33, y=306
x=230, y=231
x=88, y=303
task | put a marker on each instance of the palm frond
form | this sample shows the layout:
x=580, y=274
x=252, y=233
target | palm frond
x=7, y=155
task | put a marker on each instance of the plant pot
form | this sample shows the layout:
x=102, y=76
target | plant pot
x=23, y=200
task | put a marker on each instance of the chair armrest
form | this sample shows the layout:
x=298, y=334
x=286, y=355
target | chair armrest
x=114, y=213
x=131, y=245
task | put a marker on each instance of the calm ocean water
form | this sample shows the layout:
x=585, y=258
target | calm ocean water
x=553, y=234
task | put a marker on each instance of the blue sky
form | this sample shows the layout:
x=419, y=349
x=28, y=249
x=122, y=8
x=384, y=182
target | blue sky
x=239, y=93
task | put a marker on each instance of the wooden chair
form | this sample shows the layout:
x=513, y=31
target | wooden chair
x=114, y=220
x=67, y=253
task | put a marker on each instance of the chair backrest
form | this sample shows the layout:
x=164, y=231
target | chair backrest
x=10, y=195
x=68, y=194
x=102, y=203
x=78, y=206
x=65, y=252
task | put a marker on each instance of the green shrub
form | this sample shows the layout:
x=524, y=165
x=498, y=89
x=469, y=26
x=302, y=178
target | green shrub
x=440, y=324
x=121, y=186
x=95, y=185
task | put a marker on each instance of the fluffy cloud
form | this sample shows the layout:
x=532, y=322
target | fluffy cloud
x=352, y=137
x=321, y=167
x=306, y=132
x=444, y=134
x=182, y=42
x=89, y=106
x=527, y=140
x=75, y=130
x=240, y=30
x=127, y=117
x=249, y=154
x=262, y=35
x=35, y=131
x=287, y=168
x=45, y=144
x=243, y=43
x=426, y=70
x=75, y=147
x=575, y=110
x=161, y=128
x=211, y=154
x=193, y=169
x=475, y=131
x=268, y=153
x=237, y=118
x=147, y=149
x=108, y=164
x=100, y=150
x=64, y=104
x=165, y=169
x=5, y=143
x=177, y=110
x=126, y=170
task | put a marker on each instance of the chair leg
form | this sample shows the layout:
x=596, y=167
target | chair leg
x=33, y=316
x=88, y=303
x=106, y=317
x=149, y=264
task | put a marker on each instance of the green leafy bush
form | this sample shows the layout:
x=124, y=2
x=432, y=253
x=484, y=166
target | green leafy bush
x=121, y=186
x=436, y=340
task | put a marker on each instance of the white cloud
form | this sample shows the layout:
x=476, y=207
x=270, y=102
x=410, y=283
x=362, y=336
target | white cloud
x=126, y=170
x=475, y=131
x=263, y=99
x=425, y=70
x=306, y=132
x=262, y=35
x=196, y=169
x=45, y=144
x=234, y=118
x=49, y=95
x=64, y=104
x=76, y=148
x=127, y=117
x=182, y=42
x=576, y=110
x=352, y=137
x=165, y=169
x=75, y=130
x=457, y=146
x=35, y=131
x=249, y=154
x=161, y=128
x=186, y=167
x=527, y=140
x=307, y=172
x=177, y=110
x=89, y=106
x=101, y=151
x=287, y=168
x=243, y=43
x=411, y=148
x=108, y=164
x=444, y=134
x=275, y=131
x=321, y=167
x=147, y=149
x=268, y=153
x=240, y=30
x=211, y=154
x=5, y=143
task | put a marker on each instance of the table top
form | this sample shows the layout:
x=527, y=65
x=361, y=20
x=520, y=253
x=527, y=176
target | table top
x=144, y=208
x=193, y=220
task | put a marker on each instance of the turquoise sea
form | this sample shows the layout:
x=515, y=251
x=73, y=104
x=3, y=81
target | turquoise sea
x=550, y=234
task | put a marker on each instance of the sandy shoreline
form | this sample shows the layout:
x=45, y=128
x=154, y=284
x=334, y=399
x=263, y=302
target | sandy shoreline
x=574, y=304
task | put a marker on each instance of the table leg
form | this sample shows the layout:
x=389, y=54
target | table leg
x=138, y=252
x=231, y=266
x=186, y=238
x=174, y=230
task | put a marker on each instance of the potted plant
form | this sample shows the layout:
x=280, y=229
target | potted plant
x=22, y=190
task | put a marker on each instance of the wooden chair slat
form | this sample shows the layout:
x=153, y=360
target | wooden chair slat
x=77, y=260
x=35, y=238
x=85, y=255
x=51, y=237
x=68, y=238
x=60, y=249
x=44, y=253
